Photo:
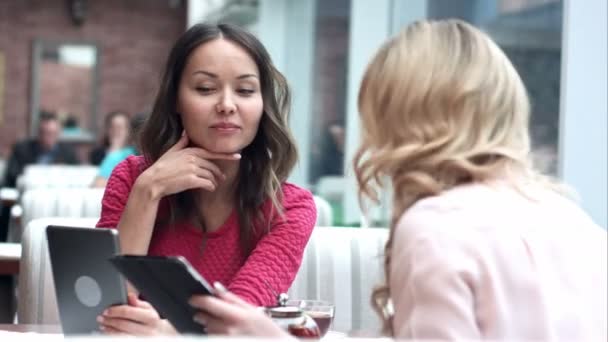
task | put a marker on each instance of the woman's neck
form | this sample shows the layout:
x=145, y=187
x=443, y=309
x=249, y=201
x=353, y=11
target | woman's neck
x=226, y=188
x=215, y=206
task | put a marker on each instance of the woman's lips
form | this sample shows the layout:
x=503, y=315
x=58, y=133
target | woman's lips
x=225, y=128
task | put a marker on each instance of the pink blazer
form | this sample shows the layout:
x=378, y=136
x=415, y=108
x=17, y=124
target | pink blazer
x=483, y=261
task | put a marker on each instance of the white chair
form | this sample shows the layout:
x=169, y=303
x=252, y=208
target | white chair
x=36, y=300
x=57, y=202
x=57, y=176
x=325, y=217
x=342, y=266
x=331, y=187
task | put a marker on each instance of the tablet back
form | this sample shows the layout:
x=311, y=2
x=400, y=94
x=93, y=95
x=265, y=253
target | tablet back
x=167, y=283
x=86, y=283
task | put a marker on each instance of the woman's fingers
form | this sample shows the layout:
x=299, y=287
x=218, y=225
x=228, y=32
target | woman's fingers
x=207, y=169
x=196, y=182
x=222, y=292
x=182, y=168
x=204, y=174
x=196, y=163
x=213, y=325
x=146, y=315
x=225, y=304
x=137, y=318
x=111, y=331
x=134, y=300
x=216, y=307
x=228, y=314
x=124, y=326
x=211, y=167
x=180, y=144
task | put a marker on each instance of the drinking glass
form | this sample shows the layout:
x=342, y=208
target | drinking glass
x=319, y=310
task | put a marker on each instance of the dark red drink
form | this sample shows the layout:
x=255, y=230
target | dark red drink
x=323, y=320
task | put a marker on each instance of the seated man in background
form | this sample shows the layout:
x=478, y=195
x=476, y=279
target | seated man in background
x=43, y=149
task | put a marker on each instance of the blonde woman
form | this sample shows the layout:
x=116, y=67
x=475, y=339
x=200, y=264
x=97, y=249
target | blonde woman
x=481, y=244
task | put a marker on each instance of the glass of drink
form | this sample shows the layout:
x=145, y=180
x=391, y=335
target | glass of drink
x=321, y=311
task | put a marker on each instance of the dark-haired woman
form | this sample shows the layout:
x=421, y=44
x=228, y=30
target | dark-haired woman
x=211, y=184
x=116, y=136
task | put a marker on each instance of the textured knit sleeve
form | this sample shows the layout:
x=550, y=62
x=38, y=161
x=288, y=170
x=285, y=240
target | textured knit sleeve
x=432, y=278
x=117, y=192
x=276, y=258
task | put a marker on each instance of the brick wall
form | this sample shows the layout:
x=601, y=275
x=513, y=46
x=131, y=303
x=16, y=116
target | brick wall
x=133, y=36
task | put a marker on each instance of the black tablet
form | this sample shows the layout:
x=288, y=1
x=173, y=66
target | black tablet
x=86, y=283
x=167, y=283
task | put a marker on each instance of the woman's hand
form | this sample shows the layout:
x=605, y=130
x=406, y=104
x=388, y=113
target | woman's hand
x=137, y=318
x=227, y=314
x=182, y=168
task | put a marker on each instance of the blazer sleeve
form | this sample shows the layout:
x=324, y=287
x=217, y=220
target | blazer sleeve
x=432, y=279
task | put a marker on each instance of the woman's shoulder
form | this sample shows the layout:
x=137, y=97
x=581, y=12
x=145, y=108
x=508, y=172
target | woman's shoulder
x=450, y=201
x=134, y=163
x=293, y=199
x=294, y=193
x=455, y=213
x=481, y=210
x=130, y=168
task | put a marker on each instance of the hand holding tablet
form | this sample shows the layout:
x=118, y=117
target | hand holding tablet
x=167, y=283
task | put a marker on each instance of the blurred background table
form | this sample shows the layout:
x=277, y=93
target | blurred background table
x=10, y=253
x=33, y=328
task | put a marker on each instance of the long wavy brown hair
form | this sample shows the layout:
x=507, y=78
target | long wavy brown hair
x=265, y=163
x=441, y=105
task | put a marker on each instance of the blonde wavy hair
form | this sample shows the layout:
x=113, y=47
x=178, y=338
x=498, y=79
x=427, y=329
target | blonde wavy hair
x=441, y=105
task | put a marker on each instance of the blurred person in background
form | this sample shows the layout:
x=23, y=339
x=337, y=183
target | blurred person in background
x=211, y=184
x=116, y=136
x=332, y=150
x=45, y=148
x=70, y=126
x=114, y=157
x=481, y=244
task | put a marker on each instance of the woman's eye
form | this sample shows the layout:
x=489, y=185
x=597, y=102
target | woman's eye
x=204, y=89
x=246, y=91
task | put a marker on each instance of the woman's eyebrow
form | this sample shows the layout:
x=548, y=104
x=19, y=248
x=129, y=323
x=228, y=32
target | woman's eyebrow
x=212, y=75
x=247, y=76
x=207, y=73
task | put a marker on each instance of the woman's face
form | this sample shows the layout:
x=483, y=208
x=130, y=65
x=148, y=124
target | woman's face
x=219, y=97
x=118, y=131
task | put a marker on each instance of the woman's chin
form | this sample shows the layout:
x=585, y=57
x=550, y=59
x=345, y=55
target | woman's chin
x=222, y=149
x=214, y=148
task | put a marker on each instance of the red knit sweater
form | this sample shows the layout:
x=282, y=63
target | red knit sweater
x=275, y=259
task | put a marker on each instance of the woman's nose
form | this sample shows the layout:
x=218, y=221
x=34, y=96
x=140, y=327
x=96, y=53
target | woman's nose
x=226, y=104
